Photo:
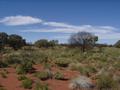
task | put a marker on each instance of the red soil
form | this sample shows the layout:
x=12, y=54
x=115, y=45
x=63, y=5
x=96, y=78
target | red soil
x=12, y=83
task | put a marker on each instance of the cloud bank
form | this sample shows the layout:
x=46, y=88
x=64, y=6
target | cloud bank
x=20, y=20
x=104, y=32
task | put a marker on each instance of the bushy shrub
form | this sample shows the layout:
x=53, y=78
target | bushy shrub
x=2, y=88
x=20, y=70
x=61, y=62
x=12, y=58
x=27, y=83
x=42, y=75
x=25, y=67
x=22, y=77
x=39, y=86
x=84, y=70
x=3, y=64
x=106, y=82
x=45, y=43
x=4, y=73
x=59, y=76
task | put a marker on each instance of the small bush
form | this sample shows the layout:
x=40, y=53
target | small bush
x=2, y=88
x=20, y=70
x=12, y=58
x=39, y=86
x=22, y=77
x=42, y=75
x=27, y=83
x=3, y=64
x=4, y=73
x=25, y=67
x=59, y=76
x=106, y=82
x=62, y=62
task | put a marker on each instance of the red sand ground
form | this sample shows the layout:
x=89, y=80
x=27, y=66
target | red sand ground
x=12, y=83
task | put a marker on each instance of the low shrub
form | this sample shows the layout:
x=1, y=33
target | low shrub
x=4, y=73
x=22, y=77
x=27, y=83
x=20, y=70
x=12, y=58
x=39, y=86
x=25, y=67
x=2, y=88
x=62, y=62
x=59, y=76
x=3, y=64
x=42, y=75
x=106, y=82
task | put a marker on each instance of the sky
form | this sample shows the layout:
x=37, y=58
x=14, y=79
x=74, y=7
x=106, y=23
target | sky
x=53, y=19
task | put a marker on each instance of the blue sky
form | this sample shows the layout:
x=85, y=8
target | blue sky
x=59, y=19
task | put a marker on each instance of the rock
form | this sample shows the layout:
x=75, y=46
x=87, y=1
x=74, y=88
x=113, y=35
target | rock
x=81, y=82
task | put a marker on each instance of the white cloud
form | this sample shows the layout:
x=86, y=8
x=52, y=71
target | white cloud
x=86, y=28
x=104, y=32
x=58, y=24
x=20, y=20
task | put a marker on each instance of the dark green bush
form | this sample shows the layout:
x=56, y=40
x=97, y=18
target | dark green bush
x=3, y=64
x=27, y=83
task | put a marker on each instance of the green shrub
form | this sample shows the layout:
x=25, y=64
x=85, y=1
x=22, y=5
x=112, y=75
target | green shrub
x=25, y=67
x=27, y=83
x=20, y=70
x=39, y=86
x=61, y=62
x=22, y=77
x=47, y=66
x=12, y=58
x=117, y=65
x=3, y=74
x=106, y=82
x=42, y=75
x=3, y=64
x=59, y=76
x=2, y=88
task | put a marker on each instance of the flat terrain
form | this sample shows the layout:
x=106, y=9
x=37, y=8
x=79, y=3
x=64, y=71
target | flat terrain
x=12, y=82
x=100, y=65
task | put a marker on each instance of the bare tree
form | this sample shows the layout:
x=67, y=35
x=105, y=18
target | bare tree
x=83, y=39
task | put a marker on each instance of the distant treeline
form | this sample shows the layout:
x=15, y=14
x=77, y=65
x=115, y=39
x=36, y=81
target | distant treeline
x=82, y=39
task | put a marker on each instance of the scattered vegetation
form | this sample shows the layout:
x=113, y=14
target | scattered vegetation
x=83, y=55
